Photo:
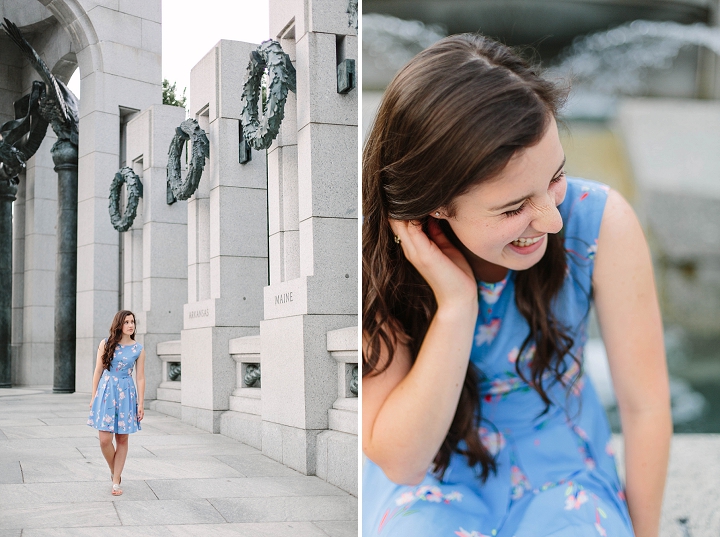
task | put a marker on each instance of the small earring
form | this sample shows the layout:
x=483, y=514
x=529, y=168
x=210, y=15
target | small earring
x=437, y=213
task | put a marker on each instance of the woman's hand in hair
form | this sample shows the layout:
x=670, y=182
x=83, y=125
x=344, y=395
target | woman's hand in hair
x=409, y=407
x=442, y=265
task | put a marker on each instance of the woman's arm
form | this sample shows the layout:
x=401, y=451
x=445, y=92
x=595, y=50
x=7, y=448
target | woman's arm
x=140, y=375
x=631, y=327
x=408, y=409
x=98, y=371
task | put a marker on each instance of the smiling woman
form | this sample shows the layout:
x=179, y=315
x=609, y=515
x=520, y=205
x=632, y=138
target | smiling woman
x=480, y=263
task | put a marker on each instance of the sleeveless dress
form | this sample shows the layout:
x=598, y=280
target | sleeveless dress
x=556, y=473
x=115, y=405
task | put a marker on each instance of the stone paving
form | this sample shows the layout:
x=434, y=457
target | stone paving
x=691, y=504
x=177, y=481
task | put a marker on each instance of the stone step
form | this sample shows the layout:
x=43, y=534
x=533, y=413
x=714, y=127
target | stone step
x=345, y=421
x=168, y=394
x=246, y=405
x=166, y=407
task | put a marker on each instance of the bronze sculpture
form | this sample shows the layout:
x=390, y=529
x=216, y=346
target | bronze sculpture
x=56, y=105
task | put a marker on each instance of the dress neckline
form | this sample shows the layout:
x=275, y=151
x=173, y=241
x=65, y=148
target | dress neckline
x=493, y=286
x=490, y=291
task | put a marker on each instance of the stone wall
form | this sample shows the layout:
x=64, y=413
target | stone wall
x=117, y=48
x=672, y=147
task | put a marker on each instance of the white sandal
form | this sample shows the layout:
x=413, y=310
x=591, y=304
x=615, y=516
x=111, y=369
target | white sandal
x=116, y=490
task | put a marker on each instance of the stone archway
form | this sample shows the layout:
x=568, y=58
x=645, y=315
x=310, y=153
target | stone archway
x=129, y=79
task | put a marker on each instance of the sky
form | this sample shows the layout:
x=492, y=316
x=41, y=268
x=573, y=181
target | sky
x=192, y=28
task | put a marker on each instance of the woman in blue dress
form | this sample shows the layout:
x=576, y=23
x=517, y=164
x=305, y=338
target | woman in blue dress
x=481, y=260
x=116, y=407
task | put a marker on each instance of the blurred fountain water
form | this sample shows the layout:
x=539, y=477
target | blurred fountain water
x=616, y=61
x=388, y=43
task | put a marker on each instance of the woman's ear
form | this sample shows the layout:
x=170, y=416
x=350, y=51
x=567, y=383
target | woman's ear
x=439, y=213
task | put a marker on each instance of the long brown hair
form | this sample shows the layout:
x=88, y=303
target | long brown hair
x=115, y=336
x=450, y=119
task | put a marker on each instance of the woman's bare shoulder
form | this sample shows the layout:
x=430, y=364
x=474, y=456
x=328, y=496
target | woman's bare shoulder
x=621, y=240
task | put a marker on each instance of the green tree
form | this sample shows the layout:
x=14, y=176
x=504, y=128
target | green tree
x=169, y=96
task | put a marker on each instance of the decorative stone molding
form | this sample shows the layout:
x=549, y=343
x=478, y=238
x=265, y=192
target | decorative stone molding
x=174, y=371
x=246, y=397
x=251, y=376
x=342, y=345
x=170, y=354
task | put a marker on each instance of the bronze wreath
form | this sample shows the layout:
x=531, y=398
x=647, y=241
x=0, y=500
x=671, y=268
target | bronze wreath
x=135, y=192
x=188, y=130
x=260, y=133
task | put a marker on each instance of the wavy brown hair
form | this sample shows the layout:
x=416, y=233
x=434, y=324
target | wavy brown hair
x=452, y=118
x=115, y=336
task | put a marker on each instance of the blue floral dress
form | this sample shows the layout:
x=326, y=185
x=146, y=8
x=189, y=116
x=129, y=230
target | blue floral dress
x=556, y=473
x=115, y=405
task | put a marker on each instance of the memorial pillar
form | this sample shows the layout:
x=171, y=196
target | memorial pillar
x=312, y=177
x=159, y=258
x=227, y=240
x=7, y=196
x=65, y=157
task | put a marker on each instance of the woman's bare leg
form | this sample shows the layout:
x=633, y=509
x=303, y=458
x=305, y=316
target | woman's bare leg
x=120, y=455
x=107, y=448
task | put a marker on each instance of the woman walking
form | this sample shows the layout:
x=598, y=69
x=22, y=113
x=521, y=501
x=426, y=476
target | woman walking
x=116, y=406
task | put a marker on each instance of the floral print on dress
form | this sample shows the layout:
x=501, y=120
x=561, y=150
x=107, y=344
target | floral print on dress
x=494, y=389
x=426, y=493
x=525, y=440
x=519, y=482
x=574, y=502
x=464, y=533
x=493, y=441
x=592, y=250
x=114, y=407
x=527, y=355
x=490, y=292
x=583, y=445
x=487, y=332
x=576, y=496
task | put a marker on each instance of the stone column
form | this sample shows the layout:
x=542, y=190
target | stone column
x=227, y=265
x=313, y=289
x=159, y=255
x=65, y=157
x=36, y=355
x=18, y=276
x=7, y=196
x=120, y=60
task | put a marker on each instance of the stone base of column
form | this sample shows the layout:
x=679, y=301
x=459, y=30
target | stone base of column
x=337, y=460
x=202, y=418
x=166, y=407
x=247, y=428
x=299, y=385
x=291, y=446
x=208, y=374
